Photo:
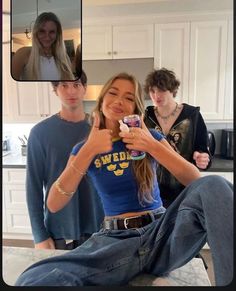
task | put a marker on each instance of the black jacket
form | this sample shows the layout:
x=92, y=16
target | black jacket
x=187, y=134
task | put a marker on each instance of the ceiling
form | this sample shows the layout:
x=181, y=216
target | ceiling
x=109, y=8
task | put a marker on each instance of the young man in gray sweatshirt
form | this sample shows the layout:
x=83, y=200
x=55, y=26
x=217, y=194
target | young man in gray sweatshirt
x=49, y=145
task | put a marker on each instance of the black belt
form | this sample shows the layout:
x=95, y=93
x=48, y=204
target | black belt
x=130, y=222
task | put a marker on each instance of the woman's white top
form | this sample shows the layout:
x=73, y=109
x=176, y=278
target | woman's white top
x=48, y=69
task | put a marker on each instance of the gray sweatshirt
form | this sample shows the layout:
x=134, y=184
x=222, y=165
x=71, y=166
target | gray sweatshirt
x=49, y=145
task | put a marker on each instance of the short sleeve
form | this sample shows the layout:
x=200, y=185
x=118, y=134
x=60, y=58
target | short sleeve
x=76, y=148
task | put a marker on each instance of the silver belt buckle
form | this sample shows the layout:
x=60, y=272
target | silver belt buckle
x=126, y=220
x=107, y=224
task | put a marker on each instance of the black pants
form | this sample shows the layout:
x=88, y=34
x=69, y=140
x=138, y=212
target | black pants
x=60, y=244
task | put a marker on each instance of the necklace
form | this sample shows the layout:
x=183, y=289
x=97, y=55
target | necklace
x=47, y=55
x=165, y=118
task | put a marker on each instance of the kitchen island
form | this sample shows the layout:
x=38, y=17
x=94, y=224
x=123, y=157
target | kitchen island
x=16, y=260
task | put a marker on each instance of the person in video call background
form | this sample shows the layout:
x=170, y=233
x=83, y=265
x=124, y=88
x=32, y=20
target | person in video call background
x=47, y=59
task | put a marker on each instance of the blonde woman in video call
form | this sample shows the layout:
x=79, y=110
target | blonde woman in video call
x=47, y=58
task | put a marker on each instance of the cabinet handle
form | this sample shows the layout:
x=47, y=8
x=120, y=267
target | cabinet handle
x=109, y=53
x=115, y=53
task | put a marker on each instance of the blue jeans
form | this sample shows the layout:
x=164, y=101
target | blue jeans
x=202, y=212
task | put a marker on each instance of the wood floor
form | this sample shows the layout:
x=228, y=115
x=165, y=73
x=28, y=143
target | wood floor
x=206, y=254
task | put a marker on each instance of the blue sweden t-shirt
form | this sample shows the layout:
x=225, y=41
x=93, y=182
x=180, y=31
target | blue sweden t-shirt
x=114, y=180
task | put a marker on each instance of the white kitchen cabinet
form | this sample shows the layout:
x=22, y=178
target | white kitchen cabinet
x=4, y=221
x=35, y=101
x=133, y=41
x=6, y=84
x=171, y=50
x=25, y=101
x=208, y=50
x=16, y=222
x=198, y=52
x=117, y=42
x=31, y=102
x=97, y=42
x=22, y=101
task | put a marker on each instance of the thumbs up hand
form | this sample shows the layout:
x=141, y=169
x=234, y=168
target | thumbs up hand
x=99, y=140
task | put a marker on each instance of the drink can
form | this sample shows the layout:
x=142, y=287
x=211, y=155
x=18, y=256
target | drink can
x=134, y=121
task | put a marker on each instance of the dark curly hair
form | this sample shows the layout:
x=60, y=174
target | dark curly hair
x=163, y=79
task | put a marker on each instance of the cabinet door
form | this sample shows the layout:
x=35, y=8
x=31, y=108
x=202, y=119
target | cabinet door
x=15, y=214
x=54, y=101
x=18, y=222
x=133, y=41
x=4, y=215
x=14, y=188
x=14, y=176
x=171, y=50
x=96, y=42
x=31, y=101
x=6, y=83
x=22, y=101
x=207, y=67
x=15, y=197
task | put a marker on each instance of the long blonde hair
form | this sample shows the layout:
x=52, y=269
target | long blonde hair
x=58, y=50
x=142, y=169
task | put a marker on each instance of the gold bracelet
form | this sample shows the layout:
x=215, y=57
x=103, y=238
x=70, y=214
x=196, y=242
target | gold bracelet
x=60, y=190
x=77, y=170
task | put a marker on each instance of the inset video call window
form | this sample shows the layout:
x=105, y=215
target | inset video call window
x=46, y=40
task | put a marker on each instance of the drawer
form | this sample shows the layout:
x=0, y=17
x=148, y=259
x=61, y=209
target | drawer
x=15, y=197
x=14, y=176
x=18, y=221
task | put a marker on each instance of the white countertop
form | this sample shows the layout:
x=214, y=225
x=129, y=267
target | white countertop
x=14, y=160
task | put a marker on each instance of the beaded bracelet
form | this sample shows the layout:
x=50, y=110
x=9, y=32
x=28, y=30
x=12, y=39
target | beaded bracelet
x=60, y=190
x=77, y=170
